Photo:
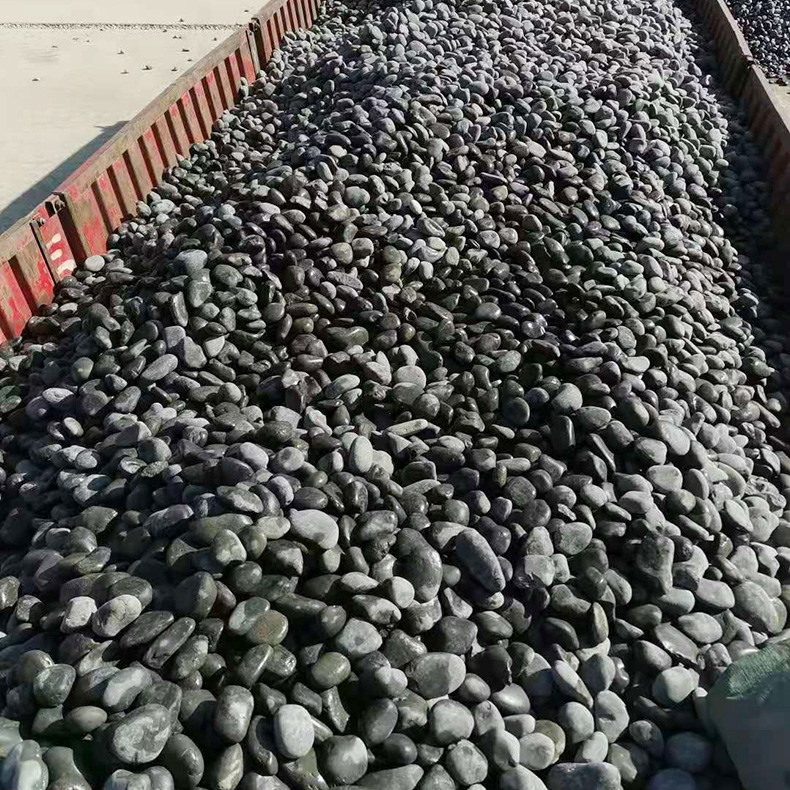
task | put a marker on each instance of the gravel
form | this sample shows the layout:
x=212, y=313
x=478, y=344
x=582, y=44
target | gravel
x=766, y=26
x=422, y=430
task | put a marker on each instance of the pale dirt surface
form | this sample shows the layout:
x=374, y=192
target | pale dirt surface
x=134, y=11
x=63, y=92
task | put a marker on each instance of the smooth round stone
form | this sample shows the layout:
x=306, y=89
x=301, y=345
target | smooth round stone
x=377, y=721
x=63, y=770
x=226, y=771
x=115, y=615
x=665, y=478
x=501, y=748
x=195, y=596
x=410, y=374
x=570, y=684
x=192, y=261
x=161, y=692
x=453, y=635
x=52, y=685
x=330, y=670
x=246, y=614
x=435, y=674
x=702, y=628
x=386, y=682
x=140, y=736
x=269, y=628
x=466, y=763
x=314, y=526
x=240, y=500
x=673, y=685
x=450, y=722
x=594, y=750
x=517, y=412
x=520, y=778
x=94, y=263
x=568, y=399
x=475, y=554
x=161, y=778
x=293, y=730
x=233, y=713
x=400, y=591
x=611, y=715
x=714, y=595
x=598, y=673
x=399, y=749
x=343, y=759
x=474, y=689
x=183, y=759
x=77, y=614
x=123, y=688
x=511, y=699
x=577, y=721
x=536, y=751
x=571, y=539
x=553, y=731
x=357, y=639
x=360, y=456
x=753, y=604
x=84, y=719
x=405, y=777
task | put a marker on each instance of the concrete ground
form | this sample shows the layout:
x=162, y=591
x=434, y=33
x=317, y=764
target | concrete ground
x=74, y=71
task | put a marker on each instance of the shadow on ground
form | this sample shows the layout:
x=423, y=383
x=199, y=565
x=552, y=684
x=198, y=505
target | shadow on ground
x=31, y=197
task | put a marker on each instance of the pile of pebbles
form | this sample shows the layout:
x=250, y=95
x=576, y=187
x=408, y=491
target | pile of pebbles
x=423, y=430
x=766, y=26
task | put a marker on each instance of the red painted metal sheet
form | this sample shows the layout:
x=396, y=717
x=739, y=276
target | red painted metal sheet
x=56, y=243
x=25, y=279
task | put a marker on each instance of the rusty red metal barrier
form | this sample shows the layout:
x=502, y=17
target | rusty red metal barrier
x=74, y=222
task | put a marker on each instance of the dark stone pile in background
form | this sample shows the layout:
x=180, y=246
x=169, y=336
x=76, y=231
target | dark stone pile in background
x=766, y=26
x=423, y=430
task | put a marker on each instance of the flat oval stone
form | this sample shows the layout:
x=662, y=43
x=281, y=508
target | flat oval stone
x=52, y=685
x=294, y=733
x=140, y=736
x=435, y=674
x=314, y=526
x=357, y=639
x=233, y=713
x=475, y=554
x=115, y=615
x=344, y=759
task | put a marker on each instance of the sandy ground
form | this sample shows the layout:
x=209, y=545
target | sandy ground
x=74, y=71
